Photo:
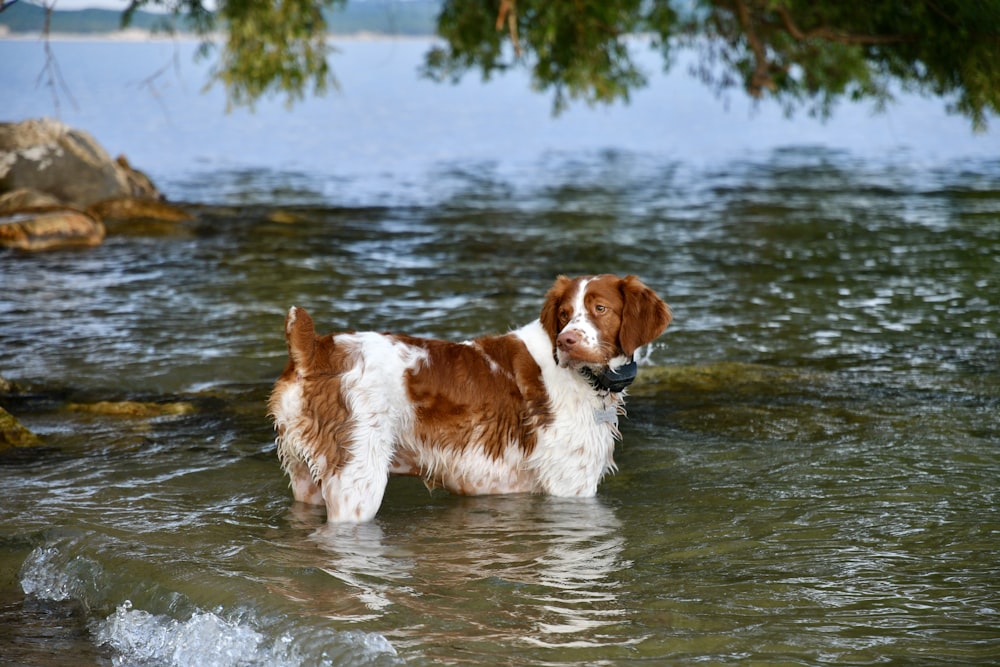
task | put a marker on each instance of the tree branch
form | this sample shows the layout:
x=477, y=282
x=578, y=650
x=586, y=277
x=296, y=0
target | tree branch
x=762, y=72
x=508, y=14
x=833, y=36
x=51, y=74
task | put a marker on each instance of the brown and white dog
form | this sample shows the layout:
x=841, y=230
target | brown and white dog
x=531, y=411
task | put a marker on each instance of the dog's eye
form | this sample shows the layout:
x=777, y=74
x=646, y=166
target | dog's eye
x=564, y=316
x=600, y=308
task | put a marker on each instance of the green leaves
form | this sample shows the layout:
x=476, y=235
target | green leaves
x=810, y=54
x=578, y=50
x=805, y=54
x=268, y=46
x=274, y=46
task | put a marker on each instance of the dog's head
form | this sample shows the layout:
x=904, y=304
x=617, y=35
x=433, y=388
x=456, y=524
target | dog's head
x=600, y=321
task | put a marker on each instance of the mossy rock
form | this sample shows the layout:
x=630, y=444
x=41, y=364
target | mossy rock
x=286, y=217
x=14, y=434
x=750, y=402
x=134, y=408
x=723, y=377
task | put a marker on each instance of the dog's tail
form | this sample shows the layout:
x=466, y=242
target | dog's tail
x=300, y=332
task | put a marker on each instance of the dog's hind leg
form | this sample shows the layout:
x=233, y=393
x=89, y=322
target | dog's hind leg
x=355, y=492
x=304, y=489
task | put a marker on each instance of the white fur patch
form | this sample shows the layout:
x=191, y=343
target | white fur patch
x=581, y=322
x=375, y=390
x=471, y=471
x=576, y=450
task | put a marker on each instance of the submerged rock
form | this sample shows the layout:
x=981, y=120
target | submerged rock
x=134, y=408
x=13, y=434
x=750, y=402
x=728, y=377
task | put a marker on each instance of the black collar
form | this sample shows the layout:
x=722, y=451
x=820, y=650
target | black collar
x=611, y=380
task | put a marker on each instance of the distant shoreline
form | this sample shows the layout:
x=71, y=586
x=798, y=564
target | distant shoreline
x=372, y=19
x=140, y=35
x=127, y=35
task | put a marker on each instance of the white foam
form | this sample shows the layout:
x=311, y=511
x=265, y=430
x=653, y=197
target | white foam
x=204, y=639
x=48, y=574
x=208, y=640
x=217, y=638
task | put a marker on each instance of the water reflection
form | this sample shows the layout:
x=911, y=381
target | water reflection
x=549, y=569
x=361, y=561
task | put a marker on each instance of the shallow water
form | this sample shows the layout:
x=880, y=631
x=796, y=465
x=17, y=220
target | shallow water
x=811, y=460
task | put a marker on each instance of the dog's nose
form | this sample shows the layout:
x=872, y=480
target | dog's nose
x=567, y=340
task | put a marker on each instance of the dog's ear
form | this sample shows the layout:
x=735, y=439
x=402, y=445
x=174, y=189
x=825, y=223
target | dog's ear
x=300, y=332
x=644, y=316
x=550, y=309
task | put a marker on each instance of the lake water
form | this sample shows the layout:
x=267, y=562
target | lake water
x=810, y=472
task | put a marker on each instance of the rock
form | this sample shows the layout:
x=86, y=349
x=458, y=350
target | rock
x=286, y=217
x=47, y=156
x=23, y=198
x=47, y=229
x=51, y=174
x=141, y=217
x=140, y=185
x=138, y=209
x=13, y=434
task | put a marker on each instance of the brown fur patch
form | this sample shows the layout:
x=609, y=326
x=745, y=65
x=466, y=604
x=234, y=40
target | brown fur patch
x=645, y=315
x=460, y=399
x=325, y=422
